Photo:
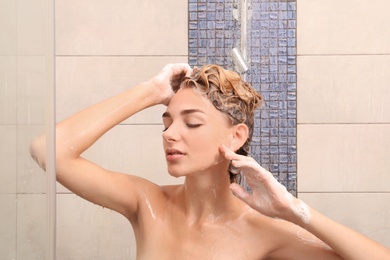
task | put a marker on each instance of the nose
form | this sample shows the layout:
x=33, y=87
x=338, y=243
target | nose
x=171, y=134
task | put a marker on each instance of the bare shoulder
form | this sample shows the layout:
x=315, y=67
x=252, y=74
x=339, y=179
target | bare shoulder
x=153, y=196
x=280, y=239
x=128, y=194
x=152, y=189
x=288, y=239
x=261, y=227
x=154, y=202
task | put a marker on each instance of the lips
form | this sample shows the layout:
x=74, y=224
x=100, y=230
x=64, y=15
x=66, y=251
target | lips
x=173, y=154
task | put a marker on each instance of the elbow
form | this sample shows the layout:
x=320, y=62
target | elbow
x=38, y=151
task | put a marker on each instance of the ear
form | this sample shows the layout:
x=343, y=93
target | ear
x=240, y=135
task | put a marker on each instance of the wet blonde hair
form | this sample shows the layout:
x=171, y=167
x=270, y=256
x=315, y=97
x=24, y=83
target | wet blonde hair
x=229, y=94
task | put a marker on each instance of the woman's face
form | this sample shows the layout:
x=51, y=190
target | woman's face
x=194, y=130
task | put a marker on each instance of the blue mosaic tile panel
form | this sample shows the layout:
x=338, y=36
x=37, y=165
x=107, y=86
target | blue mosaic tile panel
x=271, y=41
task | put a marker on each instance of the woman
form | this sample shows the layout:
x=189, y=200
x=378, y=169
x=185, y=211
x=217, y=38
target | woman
x=208, y=125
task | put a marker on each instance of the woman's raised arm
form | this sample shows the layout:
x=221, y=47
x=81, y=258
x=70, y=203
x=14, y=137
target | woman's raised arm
x=77, y=133
x=272, y=199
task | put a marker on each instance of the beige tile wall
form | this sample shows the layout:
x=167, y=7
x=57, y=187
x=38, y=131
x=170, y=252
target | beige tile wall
x=86, y=231
x=343, y=27
x=22, y=82
x=343, y=112
x=344, y=89
x=8, y=28
x=103, y=48
x=9, y=160
x=31, y=226
x=122, y=27
x=8, y=226
x=8, y=68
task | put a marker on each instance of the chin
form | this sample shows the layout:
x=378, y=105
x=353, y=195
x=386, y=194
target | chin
x=176, y=172
x=179, y=173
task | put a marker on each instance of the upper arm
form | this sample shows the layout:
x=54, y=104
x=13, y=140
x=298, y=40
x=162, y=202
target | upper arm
x=116, y=191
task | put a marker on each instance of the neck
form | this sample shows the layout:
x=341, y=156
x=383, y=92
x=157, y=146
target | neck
x=207, y=196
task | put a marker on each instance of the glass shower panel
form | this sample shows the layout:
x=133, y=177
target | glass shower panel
x=26, y=98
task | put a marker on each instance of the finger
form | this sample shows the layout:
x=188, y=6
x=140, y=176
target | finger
x=185, y=66
x=249, y=164
x=241, y=193
x=175, y=70
x=180, y=68
x=179, y=71
x=189, y=72
x=228, y=153
x=255, y=174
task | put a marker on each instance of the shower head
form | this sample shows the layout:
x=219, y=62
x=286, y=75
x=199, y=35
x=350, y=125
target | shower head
x=239, y=61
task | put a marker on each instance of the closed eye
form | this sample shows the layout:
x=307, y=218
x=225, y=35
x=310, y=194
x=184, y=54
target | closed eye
x=193, y=125
x=188, y=125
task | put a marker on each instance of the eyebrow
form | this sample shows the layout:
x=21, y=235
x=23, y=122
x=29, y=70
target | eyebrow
x=184, y=112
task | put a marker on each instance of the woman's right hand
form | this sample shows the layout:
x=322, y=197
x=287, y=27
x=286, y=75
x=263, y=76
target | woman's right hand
x=268, y=196
x=167, y=82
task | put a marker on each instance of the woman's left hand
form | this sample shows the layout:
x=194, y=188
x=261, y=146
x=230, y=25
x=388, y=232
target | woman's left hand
x=269, y=197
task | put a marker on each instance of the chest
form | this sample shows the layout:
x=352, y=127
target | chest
x=209, y=241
